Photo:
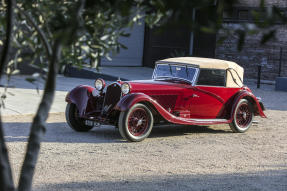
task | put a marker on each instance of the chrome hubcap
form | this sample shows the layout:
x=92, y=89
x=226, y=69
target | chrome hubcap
x=140, y=122
x=244, y=115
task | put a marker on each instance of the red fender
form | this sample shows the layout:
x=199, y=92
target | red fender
x=129, y=100
x=251, y=97
x=80, y=96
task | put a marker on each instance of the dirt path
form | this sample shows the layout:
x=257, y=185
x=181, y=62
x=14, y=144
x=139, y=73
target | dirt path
x=172, y=158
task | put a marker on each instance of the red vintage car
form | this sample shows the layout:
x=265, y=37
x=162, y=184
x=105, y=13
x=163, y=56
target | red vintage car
x=184, y=90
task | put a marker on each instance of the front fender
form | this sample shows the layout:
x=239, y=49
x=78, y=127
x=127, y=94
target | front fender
x=129, y=100
x=80, y=96
x=251, y=98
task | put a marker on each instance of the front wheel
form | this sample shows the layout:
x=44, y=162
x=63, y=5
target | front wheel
x=73, y=119
x=243, y=117
x=136, y=123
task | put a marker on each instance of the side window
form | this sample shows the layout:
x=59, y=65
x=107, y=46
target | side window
x=211, y=77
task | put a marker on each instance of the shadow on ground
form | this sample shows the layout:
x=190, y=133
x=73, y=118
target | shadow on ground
x=264, y=180
x=60, y=132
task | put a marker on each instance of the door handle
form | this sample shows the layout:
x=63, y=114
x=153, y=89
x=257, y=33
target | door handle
x=194, y=95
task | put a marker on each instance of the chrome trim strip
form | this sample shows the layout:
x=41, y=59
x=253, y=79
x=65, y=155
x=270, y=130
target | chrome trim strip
x=223, y=120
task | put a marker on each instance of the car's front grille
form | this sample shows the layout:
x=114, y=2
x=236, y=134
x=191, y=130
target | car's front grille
x=113, y=95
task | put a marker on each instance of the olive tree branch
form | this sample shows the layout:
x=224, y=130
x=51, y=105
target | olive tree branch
x=6, y=179
x=41, y=33
x=38, y=124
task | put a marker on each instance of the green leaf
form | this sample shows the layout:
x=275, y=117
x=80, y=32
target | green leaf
x=268, y=36
x=123, y=46
x=209, y=30
x=85, y=48
x=15, y=72
x=125, y=34
x=241, y=39
x=221, y=39
x=105, y=37
x=31, y=80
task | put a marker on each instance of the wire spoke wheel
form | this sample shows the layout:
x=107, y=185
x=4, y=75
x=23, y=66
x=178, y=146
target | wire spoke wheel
x=136, y=123
x=243, y=117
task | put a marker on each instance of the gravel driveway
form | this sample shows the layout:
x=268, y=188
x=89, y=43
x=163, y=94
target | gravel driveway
x=172, y=158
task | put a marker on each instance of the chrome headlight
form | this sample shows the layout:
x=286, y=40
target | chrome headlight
x=100, y=84
x=125, y=88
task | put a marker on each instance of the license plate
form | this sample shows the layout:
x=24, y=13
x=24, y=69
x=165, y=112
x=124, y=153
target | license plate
x=89, y=123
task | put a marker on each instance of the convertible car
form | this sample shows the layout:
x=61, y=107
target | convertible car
x=183, y=90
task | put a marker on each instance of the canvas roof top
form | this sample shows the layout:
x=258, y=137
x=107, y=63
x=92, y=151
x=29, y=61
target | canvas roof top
x=234, y=76
x=203, y=62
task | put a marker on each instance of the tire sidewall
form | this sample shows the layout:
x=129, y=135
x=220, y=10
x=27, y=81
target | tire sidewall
x=123, y=123
x=72, y=121
x=236, y=127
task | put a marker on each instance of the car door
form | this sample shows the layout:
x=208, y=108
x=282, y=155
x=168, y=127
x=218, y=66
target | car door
x=204, y=103
x=206, y=100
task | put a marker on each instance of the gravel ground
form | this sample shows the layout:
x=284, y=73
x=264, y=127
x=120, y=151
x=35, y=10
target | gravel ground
x=172, y=158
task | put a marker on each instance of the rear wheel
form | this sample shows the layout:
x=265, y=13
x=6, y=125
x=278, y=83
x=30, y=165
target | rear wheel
x=73, y=119
x=136, y=123
x=243, y=117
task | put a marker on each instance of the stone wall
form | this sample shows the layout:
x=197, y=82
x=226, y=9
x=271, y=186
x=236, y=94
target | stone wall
x=253, y=52
x=256, y=3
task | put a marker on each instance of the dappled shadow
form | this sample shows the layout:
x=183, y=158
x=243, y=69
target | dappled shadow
x=261, y=180
x=61, y=132
x=63, y=83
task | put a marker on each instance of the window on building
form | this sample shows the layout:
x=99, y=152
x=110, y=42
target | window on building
x=211, y=77
x=243, y=14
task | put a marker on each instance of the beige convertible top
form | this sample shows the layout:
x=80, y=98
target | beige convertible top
x=234, y=71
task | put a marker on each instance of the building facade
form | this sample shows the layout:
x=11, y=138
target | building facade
x=145, y=46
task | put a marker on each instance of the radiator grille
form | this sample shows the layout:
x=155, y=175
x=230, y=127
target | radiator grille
x=113, y=95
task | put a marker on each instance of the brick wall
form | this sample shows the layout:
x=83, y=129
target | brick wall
x=253, y=51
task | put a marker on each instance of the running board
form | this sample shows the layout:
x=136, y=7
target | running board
x=210, y=120
x=196, y=121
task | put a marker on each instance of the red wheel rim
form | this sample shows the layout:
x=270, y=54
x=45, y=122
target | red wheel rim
x=243, y=116
x=138, y=122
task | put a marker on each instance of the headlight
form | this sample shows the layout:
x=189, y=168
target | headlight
x=100, y=84
x=125, y=88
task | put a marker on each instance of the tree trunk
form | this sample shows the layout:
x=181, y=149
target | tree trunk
x=38, y=124
x=6, y=179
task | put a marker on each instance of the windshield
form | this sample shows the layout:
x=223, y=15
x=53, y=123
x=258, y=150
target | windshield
x=175, y=71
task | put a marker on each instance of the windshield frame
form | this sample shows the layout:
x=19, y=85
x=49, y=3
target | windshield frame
x=192, y=82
